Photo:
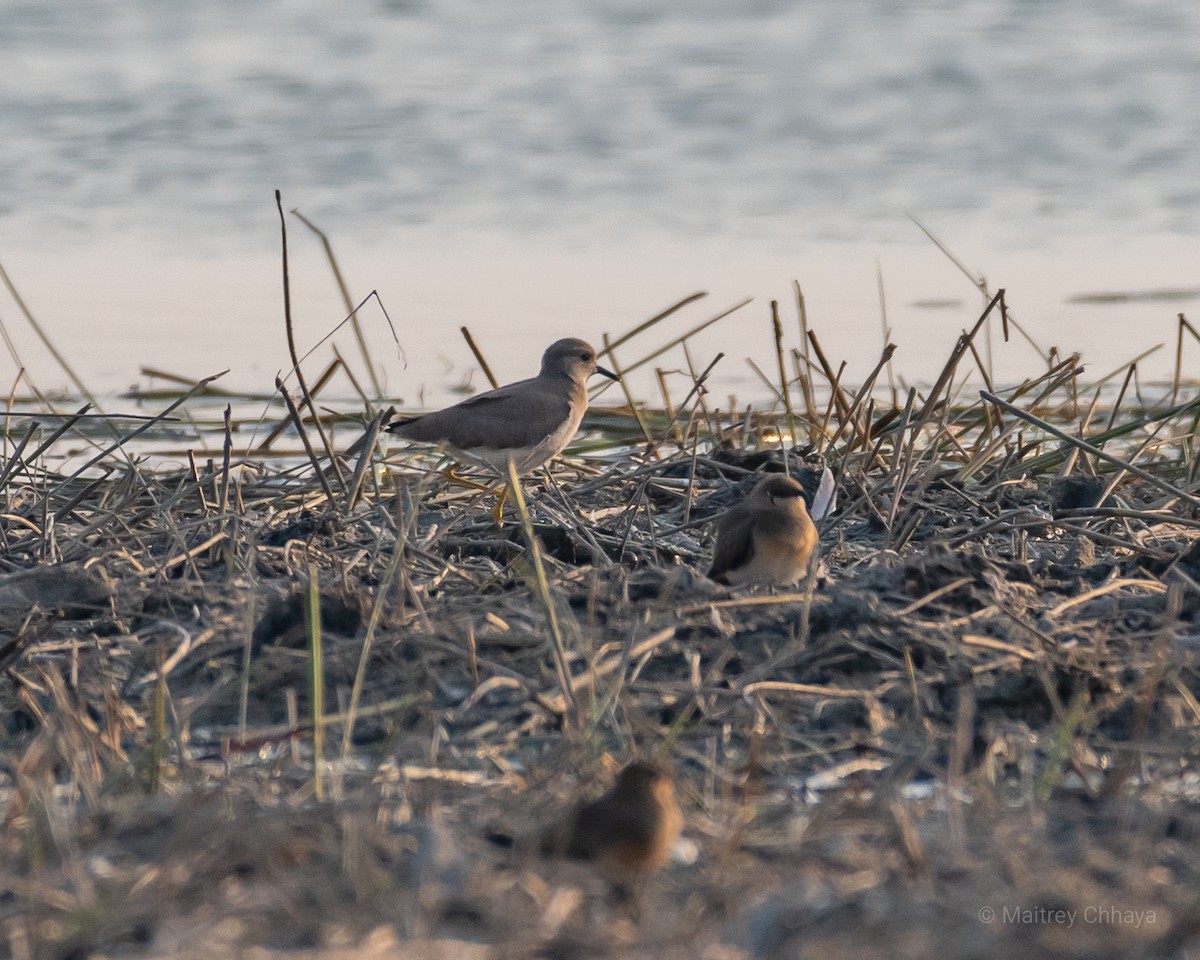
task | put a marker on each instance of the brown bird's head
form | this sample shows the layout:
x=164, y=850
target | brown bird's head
x=779, y=490
x=642, y=780
x=574, y=359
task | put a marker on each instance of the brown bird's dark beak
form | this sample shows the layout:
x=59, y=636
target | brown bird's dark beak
x=607, y=373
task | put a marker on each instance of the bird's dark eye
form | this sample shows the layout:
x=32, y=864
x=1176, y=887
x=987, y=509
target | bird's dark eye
x=585, y=357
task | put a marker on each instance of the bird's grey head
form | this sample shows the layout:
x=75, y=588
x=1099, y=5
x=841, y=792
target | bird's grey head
x=780, y=489
x=574, y=359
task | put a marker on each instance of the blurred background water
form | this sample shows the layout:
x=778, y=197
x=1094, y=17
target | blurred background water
x=574, y=168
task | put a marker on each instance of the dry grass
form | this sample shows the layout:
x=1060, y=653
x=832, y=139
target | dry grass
x=987, y=703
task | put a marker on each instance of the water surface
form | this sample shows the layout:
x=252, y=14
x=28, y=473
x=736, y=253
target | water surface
x=480, y=166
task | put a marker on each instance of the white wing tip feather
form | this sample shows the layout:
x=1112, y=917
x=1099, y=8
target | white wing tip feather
x=825, y=500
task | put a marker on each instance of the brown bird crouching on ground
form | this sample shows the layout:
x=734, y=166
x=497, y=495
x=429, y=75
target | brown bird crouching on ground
x=631, y=830
x=628, y=833
x=768, y=538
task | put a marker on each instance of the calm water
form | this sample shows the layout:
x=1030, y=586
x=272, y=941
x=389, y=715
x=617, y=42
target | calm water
x=479, y=167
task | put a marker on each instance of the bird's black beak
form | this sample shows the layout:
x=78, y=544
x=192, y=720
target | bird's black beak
x=607, y=373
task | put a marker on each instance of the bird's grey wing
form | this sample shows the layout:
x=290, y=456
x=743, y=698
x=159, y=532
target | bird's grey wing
x=735, y=543
x=507, y=418
x=428, y=427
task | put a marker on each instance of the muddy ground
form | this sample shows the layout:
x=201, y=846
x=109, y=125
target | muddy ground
x=974, y=736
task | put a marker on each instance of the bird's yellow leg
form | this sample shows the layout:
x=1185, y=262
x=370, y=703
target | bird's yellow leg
x=498, y=509
x=449, y=474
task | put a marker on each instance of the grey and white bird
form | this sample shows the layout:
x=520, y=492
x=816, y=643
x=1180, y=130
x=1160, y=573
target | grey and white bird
x=529, y=422
x=768, y=538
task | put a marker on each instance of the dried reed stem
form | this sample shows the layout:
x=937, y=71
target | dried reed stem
x=351, y=311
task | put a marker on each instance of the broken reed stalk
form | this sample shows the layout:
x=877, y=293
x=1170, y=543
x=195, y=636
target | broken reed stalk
x=901, y=454
x=887, y=331
x=158, y=724
x=668, y=406
x=278, y=733
x=278, y=430
x=806, y=387
x=247, y=652
x=979, y=365
x=658, y=317
x=46, y=341
x=1121, y=394
x=776, y=396
x=1178, y=361
x=305, y=395
x=696, y=391
x=955, y=356
x=316, y=678
x=633, y=407
x=136, y=433
x=655, y=354
x=308, y=447
x=8, y=408
x=982, y=457
x=381, y=596
x=1189, y=328
x=836, y=402
x=691, y=486
x=82, y=495
x=355, y=385
x=226, y=450
x=810, y=588
x=980, y=284
x=365, y=459
x=851, y=420
x=836, y=393
x=479, y=358
x=711, y=420
x=542, y=588
x=1191, y=447
x=785, y=392
x=12, y=459
x=351, y=311
x=155, y=374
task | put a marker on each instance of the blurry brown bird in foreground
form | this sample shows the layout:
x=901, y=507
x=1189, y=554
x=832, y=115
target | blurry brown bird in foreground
x=766, y=539
x=629, y=831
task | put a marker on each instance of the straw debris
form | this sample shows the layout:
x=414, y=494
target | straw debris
x=978, y=721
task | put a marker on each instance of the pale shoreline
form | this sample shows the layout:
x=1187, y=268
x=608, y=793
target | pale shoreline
x=197, y=314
